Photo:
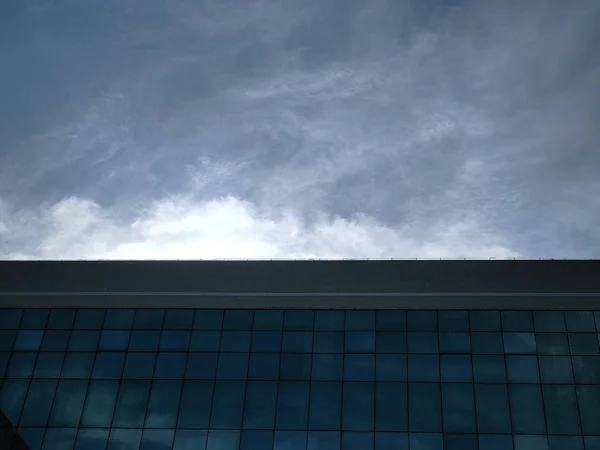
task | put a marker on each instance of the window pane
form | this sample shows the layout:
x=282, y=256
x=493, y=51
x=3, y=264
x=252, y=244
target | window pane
x=453, y=320
x=228, y=405
x=144, y=340
x=170, y=365
x=487, y=343
x=391, y=400
x=460, y=442
x=565, y=442
x=235, y=341
x=190, y=439
x=196, y=401
x=422, y=320
x=91, y=439
x=4, y=357
x=131, y=404
x=108, y=365
x=7, y=339
x=256, y=440
x=84, y=340
x=549, y=321
x=171, y=340
x=453, y=342
x=521, y=343
x=484, y=320
x=139, y=365
x=583, y=343
x=238, y=319
x=114, y=340
x=297, y=341
x=560, y=404
x=458, y=407
x=263, y=366
x=358, y=367
x=259, y=405
x=522, y=369
x=456, y=368
x=325, y=406
x=327, y=367
x=157, y=439
x=295, y=366
x=266, y=341
x=124, y=439
x=580, y=321
x=59, y=438
x=526, y=409
x=208, y=319
x=424, y=408
x=119, y=319
x=201, y=366
x=89, y=319
x=552, y=344
x=68, y=404
x=268, y=320
x=34, y=319
x=492, y=408
x=323, y=440
x=179, y=319
x=33, y=437
x=329, y=320
x=78, y=365
x=329, y=342
x=589, y=399
x=223, y=440
x=12, y=398
x=422, y=342
x=148, y=319
x=99, y=404
x=289, y=440
x=586, y=369
x=495, y=442
x=298, y=320
x=360, y=341
x=21, y=365
x=556, y=369
x=352, y=440
x=55, y=340
x=232, y=366
x=10, y=318
x=517, y=321
x=531, y=442
x=29, y=340
x=420, y=441
x=391, y=320
x=423, y=368
x=38, y=403
x=391, y=342
x=205, y=341
x=360, y=320
x=61, y=319
x=292, y=405
x=391, y=441
x=164, y=404
x=391, y=368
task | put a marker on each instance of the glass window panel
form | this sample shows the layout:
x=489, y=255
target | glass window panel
x=223, y=440
x=423, y=368
x=422, y=320
x=78, y=365
x=424, y=407
x=266, y=341
x=108, y=365
x=323, y=440
x=589, y=401
x=456, y=368
x=522, y=369
x=201, y=365
x=228, y=405
x=360, y=320
x=519, y=343
x=84, y=340
x=114, y=340
x=359, y=367
x=157, y=439
x=21, y=365
x=517, y=321
x=164, y=404
x=329, y=320
x=493, y=415
x=12, y=398
x=391, y=342
x=526, y=409
x=352, y=440
x=99, y=403
x=298, y=320
x=208, y=319
x=327, y=367
x=458, y=407
x=59, y=438
x=487, y=343
x=119, y=319
x=32, y=437
x=263, y=366
x=7, y=339
x=196, y=401
x=325, y=406
x=531, y=442
x=549, y=321
x=190, y=439
x=454, y=342
x=391, y=402
x=583, y=343
x=124, y=439
x=38, y=403
x=289, y=440
x=552, y=344
x=29, y=340
x=565, y=443
x=328, y=342
x=556, y=369
x=580, y=321
x=453, y=320
x=256, y=440
x=139, y=365
x=10, y=318
x=297, y=341
x=4, y=357
x=92, y=439
x=391, y=367
x=460, y=442
x=61, y=319
x=259, y=405
x=144, y=340
x=235, y=341
x=268, y=320
x=148, y=319
x=484, y=320
x=238, y=319
x=55, y=340
x=175, y=340
x=170, y=365
x=391, y=441
x=422, y=342
x=232, y=366
x=360, y=341
x=89, y=319
x=68, y=404
x=179, y=319
x=131, y=404
x=34, y=319
x=592, y=442
x=205, y=341
x=358, y=406
x=495, y=442
x=586, y=369
x=391, y=320
x=295, y=366
x=292, y=405
x=430, y=441
x=49, y=364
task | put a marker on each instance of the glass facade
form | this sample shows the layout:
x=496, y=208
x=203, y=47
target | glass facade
x=299, y=379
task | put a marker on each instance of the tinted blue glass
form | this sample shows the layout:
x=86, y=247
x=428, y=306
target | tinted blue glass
x=328, y=342
x=34, y=319
x=580, y=321
x=592, y=442
x=423, y=368
x=21, y=365
x=391, y=320
x=4, y=357
x=352, y=440
x=38, y=403
x=268, y=320
x=91, y=439
x=358, y=367
x=492, y=407
x=520, y=343
x=223, y=440
x=114, y=340
x=421, y=320
x=517, y=321
x=33, y=437
x=325, y=406
x=360, y=341
x=522, y=369
x=124, y=439
x=196, y=403
x=175, y=340
x=453, y=320
x=586, y=369
x=298, y=320
x=131, y=404
x=139, y=365
x=460, y=442
x=422, y=342
x=263, y=366
x=89, y=319
x=589, y=399
x=208, y=319
x=495, y=442
x=119, y=319
x=289, y=440
x=556, y=369
x=259, y=405
x=164, y=404
x=391, y=342
x=10, y=318
x=55, y=340
x=68, y=403
x=170, y=365
x=391, y=403
x=235, y=341
x=266, y=341
x=549, y=321
x=358, y=406
x=292, y=405
x=552, y=344
x=108, y=365
x=228, y=405
x=530, y=442
x=78, y=365
x=424, y=407
x=391, y=368
x=420, y=441
x=456, y=368
x=61, y=319
x=526, y=409
x=84, y=340
x=12, y=398
x=190, y=439
x=144, y=340
x=565, y=442
x=256, y=440
x=238, y=319
x=391, y=441
x=205, y=341
x=179, y=319
x=323, y=440
x=295, y=366
x=148, y=319
x=583, y=343
x=455, y=342
x=232, y=366
x=49, y=365
x=360, y=320
x=327, y=367
x=201, y=365
x=297, y=341
x=29, y=340
x=157, y=440
x=7, y=339
x=458, y=407
x=99, y=403
x=329, y=320
x=484, y=320
x=487, y=343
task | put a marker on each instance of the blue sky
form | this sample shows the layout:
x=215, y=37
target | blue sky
x=151, y=129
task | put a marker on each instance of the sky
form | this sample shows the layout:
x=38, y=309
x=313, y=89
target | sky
x=287, y=129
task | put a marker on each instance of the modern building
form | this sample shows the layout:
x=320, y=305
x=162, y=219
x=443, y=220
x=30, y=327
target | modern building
x=300, y=355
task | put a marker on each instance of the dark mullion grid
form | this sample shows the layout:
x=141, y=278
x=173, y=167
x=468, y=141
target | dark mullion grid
x=443, y=425
x=473, y=380
x=17, y=424
x=246, y=382
x=508, y=392
x=214, y=381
